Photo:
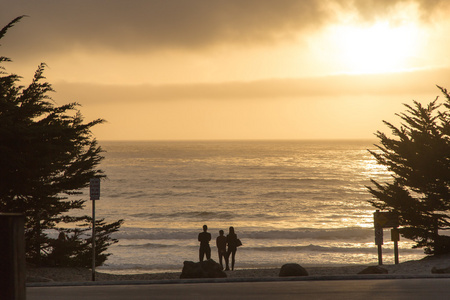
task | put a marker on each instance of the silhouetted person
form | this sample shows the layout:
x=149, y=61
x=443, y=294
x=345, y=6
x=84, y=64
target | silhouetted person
x=59, y=252
x=232, y=242
x=221, y=243
x=204, y=238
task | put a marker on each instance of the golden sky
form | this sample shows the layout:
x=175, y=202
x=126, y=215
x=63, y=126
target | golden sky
x=234, y=69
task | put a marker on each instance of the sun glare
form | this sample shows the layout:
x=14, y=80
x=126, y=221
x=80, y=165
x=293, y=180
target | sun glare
x=376, y=49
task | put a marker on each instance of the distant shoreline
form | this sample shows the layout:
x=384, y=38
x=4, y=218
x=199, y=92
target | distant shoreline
x=350, y=140
x=417, y=267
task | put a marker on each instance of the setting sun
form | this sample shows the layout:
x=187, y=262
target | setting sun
x=378, y=48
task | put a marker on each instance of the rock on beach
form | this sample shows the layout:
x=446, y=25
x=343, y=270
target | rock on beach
x=292, y=270
x=204, y=269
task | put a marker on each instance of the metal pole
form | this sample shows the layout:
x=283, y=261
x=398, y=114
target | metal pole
x=93, y=240
x=94, y=195
x=380, y=255
x=395, y=236
x=396, y=252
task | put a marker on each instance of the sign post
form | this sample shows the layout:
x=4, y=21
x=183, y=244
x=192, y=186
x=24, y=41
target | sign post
x=395, y=237
x=94, y=195
x=386, y=220
x=379, y=243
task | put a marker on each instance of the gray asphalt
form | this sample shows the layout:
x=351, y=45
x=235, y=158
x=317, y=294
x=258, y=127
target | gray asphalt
x=412, y=288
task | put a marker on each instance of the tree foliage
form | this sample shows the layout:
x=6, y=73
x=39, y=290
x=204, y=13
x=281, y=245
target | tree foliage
x=418, y=156
x=48, y=153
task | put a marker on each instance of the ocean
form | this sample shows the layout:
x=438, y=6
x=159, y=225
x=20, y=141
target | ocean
x=289, y=201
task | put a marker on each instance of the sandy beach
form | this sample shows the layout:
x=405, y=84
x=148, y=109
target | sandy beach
x=418, y=267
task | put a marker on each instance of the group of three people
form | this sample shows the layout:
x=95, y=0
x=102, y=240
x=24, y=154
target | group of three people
x=222, y=242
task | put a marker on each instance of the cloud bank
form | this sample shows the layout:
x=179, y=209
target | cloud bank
x=151, y=25
x=395, y=85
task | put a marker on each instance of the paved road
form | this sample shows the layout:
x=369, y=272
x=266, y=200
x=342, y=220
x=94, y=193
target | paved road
x=426, y=288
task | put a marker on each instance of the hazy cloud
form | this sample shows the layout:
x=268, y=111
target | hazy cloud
x=371, y=9
x=415, y=83
x=147, y=25
x=130, y=25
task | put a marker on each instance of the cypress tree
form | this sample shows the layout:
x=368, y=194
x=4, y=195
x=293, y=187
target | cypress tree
x=47, y=154
x=417, y=154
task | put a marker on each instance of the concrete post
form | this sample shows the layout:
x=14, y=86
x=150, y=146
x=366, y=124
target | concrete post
x=12, y=257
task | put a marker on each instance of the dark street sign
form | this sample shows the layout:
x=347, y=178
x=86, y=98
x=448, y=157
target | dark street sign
x=385, y=219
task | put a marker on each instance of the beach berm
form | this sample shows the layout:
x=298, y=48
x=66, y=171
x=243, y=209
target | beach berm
x=416, y=267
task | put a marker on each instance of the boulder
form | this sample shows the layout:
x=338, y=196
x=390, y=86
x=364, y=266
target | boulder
x=374, y=270
x=292, y=270
x=204, y=269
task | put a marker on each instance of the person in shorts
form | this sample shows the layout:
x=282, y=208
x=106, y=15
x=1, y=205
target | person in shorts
x=221, y=243
x=204, y=238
